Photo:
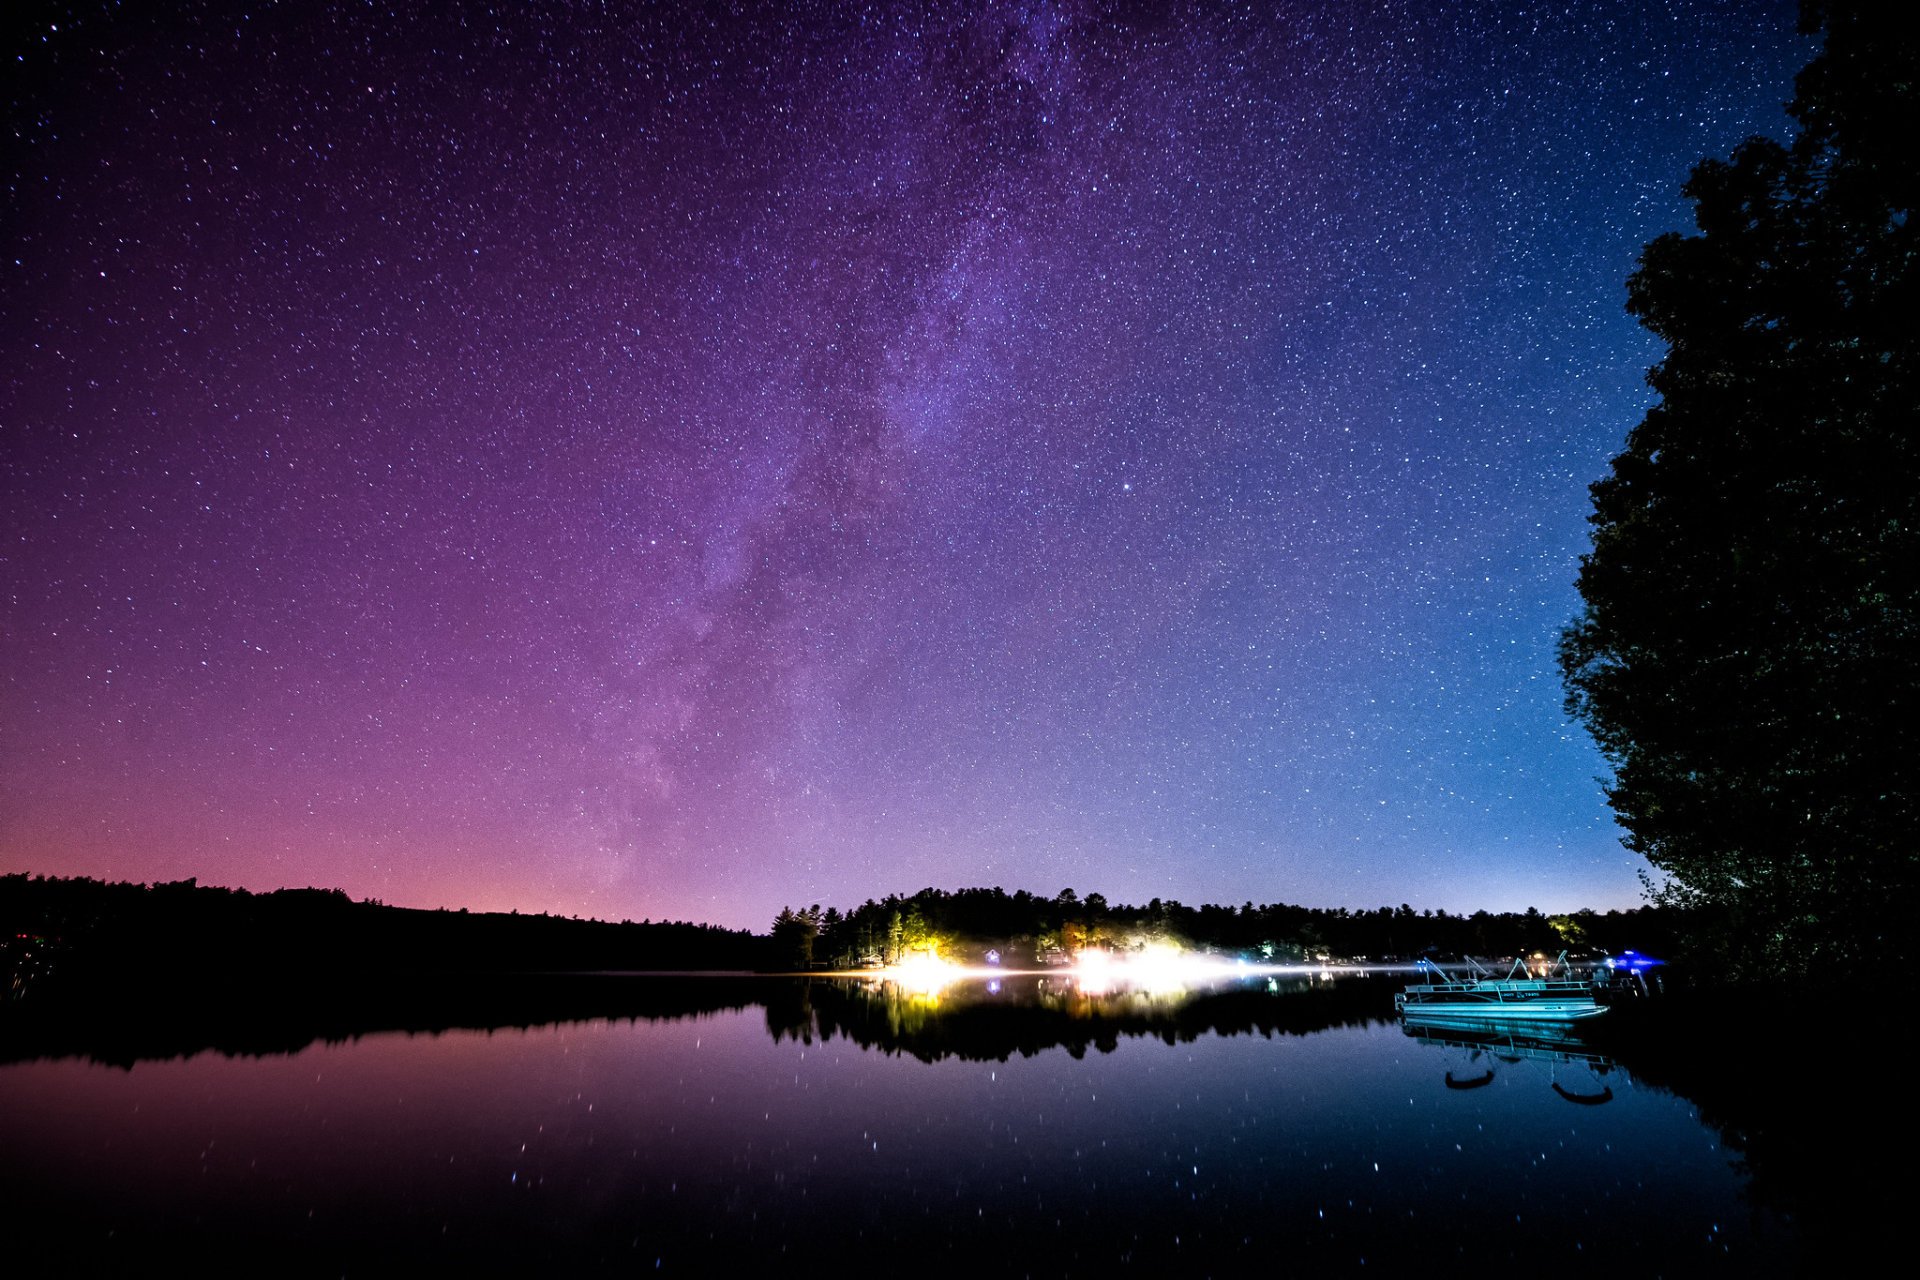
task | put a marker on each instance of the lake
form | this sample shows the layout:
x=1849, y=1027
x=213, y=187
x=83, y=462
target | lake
x=824, y=1125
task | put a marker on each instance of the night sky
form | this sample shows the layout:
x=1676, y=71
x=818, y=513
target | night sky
x=674, y=463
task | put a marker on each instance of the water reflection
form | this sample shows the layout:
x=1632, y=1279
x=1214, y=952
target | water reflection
x=809, y=1125
x=124, y=1025
x=928, y=1015
x=993, y=1019
x=1575, y=1071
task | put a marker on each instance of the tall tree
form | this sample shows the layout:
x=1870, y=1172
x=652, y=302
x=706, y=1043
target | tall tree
x=794, y=933
x=1748, y=657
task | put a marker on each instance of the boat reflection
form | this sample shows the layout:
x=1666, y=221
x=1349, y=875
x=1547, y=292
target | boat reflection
x=1480, y=1047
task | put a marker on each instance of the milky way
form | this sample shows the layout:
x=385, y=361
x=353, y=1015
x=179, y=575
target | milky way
x=668, y=463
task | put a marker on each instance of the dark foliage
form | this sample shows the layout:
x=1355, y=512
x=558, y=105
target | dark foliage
x=80, y=933
x=1749, y=653
x=1815, y=1135
x=1028, y=929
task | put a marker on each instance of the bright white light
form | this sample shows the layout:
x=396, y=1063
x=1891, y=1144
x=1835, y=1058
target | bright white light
x=1093, y=972
x=1160, y=967
x=923, y=974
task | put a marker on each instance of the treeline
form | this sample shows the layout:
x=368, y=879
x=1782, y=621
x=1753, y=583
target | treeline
x=1028, y=929
x=77, y=931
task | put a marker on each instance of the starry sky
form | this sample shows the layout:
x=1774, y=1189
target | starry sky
x=671, y=461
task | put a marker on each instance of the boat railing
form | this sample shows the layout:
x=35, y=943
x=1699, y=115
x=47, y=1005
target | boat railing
x=1506, y=984
x=1557, y=979
x=1439, y=976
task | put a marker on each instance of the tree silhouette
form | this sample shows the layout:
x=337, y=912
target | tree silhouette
x=1748, y=657
x=793, y=935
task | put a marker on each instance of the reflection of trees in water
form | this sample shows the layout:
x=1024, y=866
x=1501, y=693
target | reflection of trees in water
x=1788, y=1081
x=789, y=1010
x=1030, y=1016
x=126, y=1024
x=129, y=1022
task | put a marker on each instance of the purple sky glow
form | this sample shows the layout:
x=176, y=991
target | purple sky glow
x=658, y=462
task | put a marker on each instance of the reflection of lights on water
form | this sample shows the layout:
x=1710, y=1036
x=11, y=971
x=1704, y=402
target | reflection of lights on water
x=1158, y=969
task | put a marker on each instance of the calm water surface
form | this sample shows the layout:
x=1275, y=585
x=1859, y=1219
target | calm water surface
x=840, y=1124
